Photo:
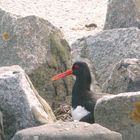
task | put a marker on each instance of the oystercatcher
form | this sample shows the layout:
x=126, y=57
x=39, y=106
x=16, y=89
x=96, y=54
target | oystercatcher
x=83, y=99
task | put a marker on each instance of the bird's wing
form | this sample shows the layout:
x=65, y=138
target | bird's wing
x=89, y=105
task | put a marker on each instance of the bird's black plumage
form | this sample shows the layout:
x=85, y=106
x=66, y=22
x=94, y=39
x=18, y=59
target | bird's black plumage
x=81, y=93
x=83, y=99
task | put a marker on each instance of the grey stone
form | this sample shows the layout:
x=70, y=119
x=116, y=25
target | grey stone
x=125, y=77
x=122, y=14
x=95, y=86
x=40, y=49
x=2, y=136
x=68, y=131
x=114, y=113
x=77, y=56
x=109, y=47
x=20, y=103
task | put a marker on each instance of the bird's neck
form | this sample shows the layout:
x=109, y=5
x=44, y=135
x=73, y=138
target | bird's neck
x=81, y=86
x=80, y=90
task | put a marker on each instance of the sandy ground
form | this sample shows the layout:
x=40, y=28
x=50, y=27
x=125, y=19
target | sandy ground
x=70, y=16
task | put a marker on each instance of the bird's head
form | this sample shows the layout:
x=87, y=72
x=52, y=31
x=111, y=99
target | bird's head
x=79, y=69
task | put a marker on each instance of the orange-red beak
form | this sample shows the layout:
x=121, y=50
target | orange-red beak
x=61, y=75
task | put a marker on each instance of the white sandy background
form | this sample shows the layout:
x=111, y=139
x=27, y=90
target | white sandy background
x=70, y=16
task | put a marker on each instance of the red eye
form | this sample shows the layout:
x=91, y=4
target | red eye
x=76, y=67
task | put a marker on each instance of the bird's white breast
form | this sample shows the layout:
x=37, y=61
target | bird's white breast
x=79, y=112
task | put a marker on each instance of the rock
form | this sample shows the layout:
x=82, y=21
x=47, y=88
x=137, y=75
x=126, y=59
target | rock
x=95, y=86
x=122, y=14
x=135, y=114
x=125, y=77
x=114, y=113
x=39, y=48
x=77, y=56
x=108, y=48
x=68, y=131
x=2, y=136
x=20, y=103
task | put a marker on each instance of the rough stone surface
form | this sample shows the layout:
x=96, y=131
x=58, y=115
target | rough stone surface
x=125, y=77
x=77, y=56
x=114, y=113
x=20, y=104
x=122, y=14
x=95, y=86
x=68, y=131
x=39, y=48
x=109, y=47
x=2, y=136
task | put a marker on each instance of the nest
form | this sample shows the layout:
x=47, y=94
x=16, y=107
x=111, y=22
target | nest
x=63, y=113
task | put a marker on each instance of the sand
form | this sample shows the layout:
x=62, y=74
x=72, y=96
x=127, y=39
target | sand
x=70, y=16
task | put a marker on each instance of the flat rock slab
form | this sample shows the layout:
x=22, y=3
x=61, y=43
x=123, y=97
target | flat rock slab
x=115, y=113
x=67, y=131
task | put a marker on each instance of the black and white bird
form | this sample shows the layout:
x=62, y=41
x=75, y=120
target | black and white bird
x=83, y=99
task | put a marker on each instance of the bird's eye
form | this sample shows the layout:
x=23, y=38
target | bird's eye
x=76, y=67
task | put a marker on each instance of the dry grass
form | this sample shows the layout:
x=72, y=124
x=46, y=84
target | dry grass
x=63, y=113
